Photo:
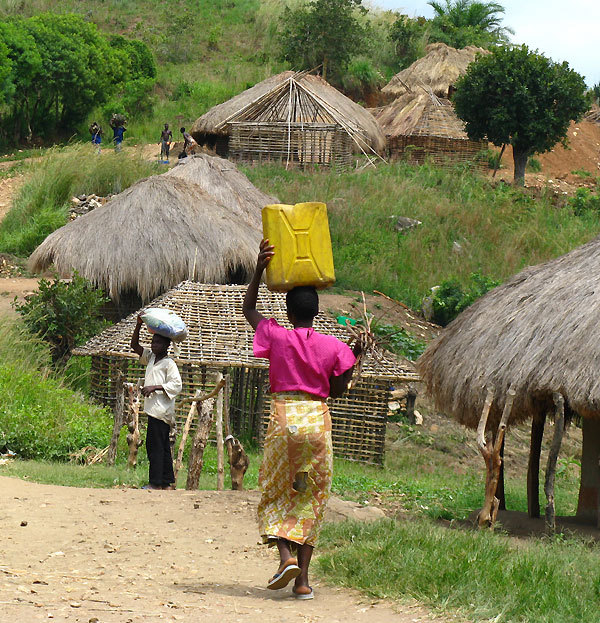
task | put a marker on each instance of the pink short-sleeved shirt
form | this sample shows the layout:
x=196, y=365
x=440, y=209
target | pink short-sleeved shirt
x=301, y=360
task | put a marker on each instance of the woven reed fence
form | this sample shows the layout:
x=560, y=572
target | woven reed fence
x=220, y=340
x=445, y=152
x=296, y=144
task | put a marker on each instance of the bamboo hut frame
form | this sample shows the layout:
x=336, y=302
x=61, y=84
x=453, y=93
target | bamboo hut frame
x=220, y=341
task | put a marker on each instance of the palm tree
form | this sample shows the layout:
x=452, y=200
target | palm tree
x=465, y=22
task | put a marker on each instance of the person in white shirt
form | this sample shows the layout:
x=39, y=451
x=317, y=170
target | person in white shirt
x=161, y=384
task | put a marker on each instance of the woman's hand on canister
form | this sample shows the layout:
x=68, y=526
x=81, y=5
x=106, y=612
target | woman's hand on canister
x=265, y=254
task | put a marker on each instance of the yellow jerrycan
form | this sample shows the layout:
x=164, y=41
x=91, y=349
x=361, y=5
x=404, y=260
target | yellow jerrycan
x=300, y=235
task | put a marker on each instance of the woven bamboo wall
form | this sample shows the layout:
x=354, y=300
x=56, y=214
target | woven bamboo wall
x=445, y=152
x=358, y=421
x=299, y=144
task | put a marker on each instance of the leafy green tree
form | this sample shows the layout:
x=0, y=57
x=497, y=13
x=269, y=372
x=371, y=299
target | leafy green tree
x=518, y=97
x=410, y=36
x=322, y=32
x=460, y=23
x=595, y=91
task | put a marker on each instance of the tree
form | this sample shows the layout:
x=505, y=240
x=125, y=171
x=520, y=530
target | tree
x=410, y=36
x=459, y=23
x=518, y=97
x=322, y=32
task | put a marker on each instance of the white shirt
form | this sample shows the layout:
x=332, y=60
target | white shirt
x=161, y=404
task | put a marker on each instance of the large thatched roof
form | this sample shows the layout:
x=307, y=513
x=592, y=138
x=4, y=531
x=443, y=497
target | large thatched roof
x=420, y=114
x=219, y=334
x=438, y=70
x=231, y=188
x=270, y=100
x=150, y=237
x=536, y=333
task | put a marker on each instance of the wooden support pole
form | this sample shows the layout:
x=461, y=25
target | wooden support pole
x=533, y=468
x=219, y=435
x=134, y=439
x=196, y=462
x=500, y=488
x=559, y=429
x=118, y=410
x=589, y=486
x=491, y=455
x=197, y=398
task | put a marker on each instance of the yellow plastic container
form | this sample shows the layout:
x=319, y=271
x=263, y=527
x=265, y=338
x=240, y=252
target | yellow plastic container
x=303, y=256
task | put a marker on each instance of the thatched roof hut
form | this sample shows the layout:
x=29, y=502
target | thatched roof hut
x=314, y=101
x=219, y=337
x=438, y=70
x=419, y=125
x=535, y=334
x=224, y=182
x=148, y=238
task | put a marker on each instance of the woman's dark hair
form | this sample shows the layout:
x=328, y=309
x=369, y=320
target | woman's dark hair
x=182, y=130
x=302, y=302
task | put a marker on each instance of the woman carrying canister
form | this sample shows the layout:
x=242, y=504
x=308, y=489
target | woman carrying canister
x=305, y=367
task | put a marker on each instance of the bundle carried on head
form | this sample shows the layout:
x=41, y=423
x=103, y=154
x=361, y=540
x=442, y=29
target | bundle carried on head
x=117, y=120
x=166, y=323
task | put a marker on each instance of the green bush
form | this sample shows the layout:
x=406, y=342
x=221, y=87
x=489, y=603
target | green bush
x=584, y=202
x=534, y=165
x=399, y=341
x=63, y=313
x=451, y=297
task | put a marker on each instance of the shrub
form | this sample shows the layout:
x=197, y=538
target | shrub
x=451, y=297
x=399, y=341
x=534, y=165
x=63, y=313
x=584, y=201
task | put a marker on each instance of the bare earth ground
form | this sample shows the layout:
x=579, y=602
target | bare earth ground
x=126, y=555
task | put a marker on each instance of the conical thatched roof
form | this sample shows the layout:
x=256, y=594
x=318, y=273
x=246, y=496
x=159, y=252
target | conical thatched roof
x=150, y=237
x=536, y=333
x=222, y=180
x=270, y=100
x=420, y=114
x=219, y=335
x=439, y=69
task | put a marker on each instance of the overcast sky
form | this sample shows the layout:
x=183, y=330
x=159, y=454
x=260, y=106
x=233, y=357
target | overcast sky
x=562, y=30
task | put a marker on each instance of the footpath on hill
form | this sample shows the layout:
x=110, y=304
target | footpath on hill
x=133, y=556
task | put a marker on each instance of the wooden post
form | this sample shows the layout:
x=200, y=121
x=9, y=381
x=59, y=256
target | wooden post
x=134, y=439
x=219, y=435
x=411, y=398
x=200, y=438
x=559, y=428
x=500, y=488
x=589, y=487
x=117, y=418
x=491, y=455
x=533, y=468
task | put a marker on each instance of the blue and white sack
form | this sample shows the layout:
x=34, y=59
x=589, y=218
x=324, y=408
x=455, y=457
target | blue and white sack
x=165, y=323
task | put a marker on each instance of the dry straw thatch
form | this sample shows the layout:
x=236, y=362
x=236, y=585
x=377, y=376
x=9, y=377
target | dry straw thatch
x=231, y=188
x=150, y=237
x=438, y=70
x=327, y=105
x=534, y=333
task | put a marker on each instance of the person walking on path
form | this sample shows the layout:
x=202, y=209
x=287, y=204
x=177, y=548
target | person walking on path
x=305, y=367
x=96, y=132
x=166, y=137
x=118, y=132
x=162, y=383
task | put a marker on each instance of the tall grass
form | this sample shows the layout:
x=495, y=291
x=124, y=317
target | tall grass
x=39, y=416
x=41, y=205
x=498, y=230
x=479, y=574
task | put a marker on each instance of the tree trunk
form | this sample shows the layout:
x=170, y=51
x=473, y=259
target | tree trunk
x=200, y=439
x=520, y=161
x=533, y=469
x=587, y=506
x=134, y=439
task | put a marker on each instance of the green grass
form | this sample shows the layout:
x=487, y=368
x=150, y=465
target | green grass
x=41, y=205
x=482, y=575
x=500, y=229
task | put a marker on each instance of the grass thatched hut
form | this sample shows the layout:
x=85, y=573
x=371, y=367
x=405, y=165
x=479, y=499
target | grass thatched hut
x=292, y=118
x=150, y=237
x=224, y=182
x=437, y=71
x=535, y=334
x=221, y=339
x=420, y=125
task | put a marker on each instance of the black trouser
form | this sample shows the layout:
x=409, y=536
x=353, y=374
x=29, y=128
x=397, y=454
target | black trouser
x=158, y=449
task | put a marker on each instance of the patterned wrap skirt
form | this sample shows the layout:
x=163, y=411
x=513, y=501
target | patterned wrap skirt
x=298, y=441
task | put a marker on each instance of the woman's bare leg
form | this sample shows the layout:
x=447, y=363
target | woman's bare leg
x=304, y=555
x=284, y=550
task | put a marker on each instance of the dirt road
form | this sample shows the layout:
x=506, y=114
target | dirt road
x=133, y=556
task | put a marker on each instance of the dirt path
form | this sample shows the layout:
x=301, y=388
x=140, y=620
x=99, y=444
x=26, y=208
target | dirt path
x=123, y=555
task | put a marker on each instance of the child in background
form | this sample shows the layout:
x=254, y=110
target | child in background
x=305, y=367
x=161, y=384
